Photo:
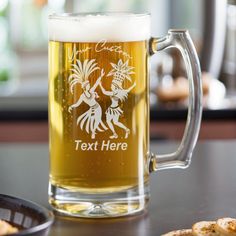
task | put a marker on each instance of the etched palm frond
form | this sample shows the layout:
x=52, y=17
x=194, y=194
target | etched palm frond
x=81, y=72
x=121, y=70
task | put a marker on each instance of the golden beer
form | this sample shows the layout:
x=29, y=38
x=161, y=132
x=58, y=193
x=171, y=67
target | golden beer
x=110, y=155
x=98, y=113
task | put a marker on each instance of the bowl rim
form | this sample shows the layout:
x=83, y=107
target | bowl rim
x=47, y=213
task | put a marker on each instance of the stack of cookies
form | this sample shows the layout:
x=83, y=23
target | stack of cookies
x=221, y=227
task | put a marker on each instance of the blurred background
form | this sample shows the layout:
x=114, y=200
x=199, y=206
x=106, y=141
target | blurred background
x=24, y=64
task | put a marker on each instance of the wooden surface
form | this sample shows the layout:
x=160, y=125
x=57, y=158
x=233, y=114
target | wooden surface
x=205, y=191
x=37, y=131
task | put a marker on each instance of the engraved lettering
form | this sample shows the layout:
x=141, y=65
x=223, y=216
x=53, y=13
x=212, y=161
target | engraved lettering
x=77, y=142
x=124, y=146
x=105, y=145
x=101, y=46
x=75, y=52
x=113, y=146
x=84, y=146
x=108, y=146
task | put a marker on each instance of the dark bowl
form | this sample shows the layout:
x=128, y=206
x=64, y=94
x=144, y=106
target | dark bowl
x=28, y=217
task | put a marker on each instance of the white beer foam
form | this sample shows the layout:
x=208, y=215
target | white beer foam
x=93, y=28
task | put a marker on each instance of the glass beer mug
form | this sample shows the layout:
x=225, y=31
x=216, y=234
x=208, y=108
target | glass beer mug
x=100, y=160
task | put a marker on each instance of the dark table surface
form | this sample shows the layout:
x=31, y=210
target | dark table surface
x=205, y=191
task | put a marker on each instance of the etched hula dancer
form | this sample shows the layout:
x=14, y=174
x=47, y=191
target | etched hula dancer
x=120, y=72
x=92, y=118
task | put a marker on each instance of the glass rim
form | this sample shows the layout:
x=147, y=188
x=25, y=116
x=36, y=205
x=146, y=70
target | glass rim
x=74, y=16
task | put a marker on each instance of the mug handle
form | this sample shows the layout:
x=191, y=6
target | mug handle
x=181, y=158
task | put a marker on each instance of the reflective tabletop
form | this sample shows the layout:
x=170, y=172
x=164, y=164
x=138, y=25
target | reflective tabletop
x=204, y=191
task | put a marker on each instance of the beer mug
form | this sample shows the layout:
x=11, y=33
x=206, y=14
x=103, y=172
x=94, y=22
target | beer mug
x=100, y=159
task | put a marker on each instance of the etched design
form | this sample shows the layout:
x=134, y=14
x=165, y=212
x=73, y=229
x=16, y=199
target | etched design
x=92, y=118
x=120, y=72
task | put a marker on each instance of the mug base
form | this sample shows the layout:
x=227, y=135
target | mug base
x=106, y=205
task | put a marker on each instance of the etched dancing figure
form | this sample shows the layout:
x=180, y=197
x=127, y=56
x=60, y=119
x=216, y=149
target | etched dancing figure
x=120, y=72
x=92, y=118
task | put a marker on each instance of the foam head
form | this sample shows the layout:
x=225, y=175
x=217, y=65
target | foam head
x=114, y=27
